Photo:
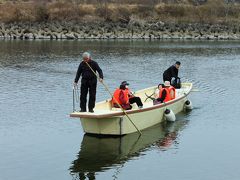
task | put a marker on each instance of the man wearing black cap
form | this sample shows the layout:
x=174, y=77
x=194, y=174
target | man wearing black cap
x=171, y=72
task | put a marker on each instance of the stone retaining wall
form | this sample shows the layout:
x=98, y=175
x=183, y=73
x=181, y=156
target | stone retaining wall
x=132, y=30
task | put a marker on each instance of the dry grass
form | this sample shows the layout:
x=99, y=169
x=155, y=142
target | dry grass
x=16, y=12
x=188, y=11
x=214, y=11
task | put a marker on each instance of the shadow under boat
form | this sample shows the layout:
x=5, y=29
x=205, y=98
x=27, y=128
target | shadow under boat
x=98, y=154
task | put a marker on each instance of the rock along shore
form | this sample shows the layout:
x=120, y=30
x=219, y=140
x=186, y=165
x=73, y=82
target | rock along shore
x=131, y=30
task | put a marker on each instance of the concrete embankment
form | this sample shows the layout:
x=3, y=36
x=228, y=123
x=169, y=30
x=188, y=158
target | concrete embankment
x=131, y=30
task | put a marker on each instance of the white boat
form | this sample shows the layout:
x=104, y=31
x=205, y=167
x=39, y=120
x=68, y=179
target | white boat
x=107, y=120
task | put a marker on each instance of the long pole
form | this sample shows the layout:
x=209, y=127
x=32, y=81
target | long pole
x=114, y=98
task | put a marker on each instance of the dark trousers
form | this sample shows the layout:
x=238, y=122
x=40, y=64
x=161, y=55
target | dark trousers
x=91, y=86
x=136, y=100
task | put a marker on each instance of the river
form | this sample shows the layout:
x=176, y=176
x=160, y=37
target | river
x=38, y=139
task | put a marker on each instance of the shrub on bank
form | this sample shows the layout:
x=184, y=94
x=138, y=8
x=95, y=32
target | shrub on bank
x=174, y=10
x=17, y=12
x=41, y=13
x=104, y=11
x=214, y=11
x=123, y=14
x=187, y=11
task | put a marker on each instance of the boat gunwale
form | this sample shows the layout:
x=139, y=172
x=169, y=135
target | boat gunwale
x=120, y=113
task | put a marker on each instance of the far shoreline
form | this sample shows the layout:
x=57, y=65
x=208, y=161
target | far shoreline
x=129, y=31
x=121, y=40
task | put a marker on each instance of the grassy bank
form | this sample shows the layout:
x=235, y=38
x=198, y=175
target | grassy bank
x=185, y=11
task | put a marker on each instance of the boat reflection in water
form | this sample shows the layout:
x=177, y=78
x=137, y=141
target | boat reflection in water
x=97, y=154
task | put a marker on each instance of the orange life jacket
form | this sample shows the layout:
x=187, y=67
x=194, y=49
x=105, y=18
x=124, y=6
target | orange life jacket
x=172, y=92
x=168, y=97
x=116, y=96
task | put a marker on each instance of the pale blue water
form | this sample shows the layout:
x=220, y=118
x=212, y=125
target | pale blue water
x=38, y=140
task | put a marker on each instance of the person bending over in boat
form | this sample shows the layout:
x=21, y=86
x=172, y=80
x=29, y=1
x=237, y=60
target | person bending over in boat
x=125, y=97
x=88, y=82
x=171, y=72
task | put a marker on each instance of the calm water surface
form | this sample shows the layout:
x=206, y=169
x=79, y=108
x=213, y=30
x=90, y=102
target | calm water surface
x=39, y=141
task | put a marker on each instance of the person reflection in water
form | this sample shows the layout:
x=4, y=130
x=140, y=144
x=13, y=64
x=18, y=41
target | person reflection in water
x=170, y=136
x=167, y=141
x=89, y=175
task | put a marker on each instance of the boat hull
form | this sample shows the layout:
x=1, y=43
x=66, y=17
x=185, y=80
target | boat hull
x=121, y=125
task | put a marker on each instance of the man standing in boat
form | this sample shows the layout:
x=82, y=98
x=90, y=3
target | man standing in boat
x=171, y=72
x=88, y=82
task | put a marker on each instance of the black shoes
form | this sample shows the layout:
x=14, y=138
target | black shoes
x=91, y=111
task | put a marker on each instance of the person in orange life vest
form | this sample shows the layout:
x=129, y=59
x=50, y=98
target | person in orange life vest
x=164, y=95
x=160, y=94
x=171, y=90
x=125, y=98
x=157, y=91
x=167, y=86
x=120, y=96
x=158, y=99
x=132, y=98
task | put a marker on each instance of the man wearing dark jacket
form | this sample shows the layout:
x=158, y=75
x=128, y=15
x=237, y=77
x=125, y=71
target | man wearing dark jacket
x=88, y=82
x=171, y=72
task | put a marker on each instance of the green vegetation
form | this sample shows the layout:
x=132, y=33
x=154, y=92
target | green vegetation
x=176, y=11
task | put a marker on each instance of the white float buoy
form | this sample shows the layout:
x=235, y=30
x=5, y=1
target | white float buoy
x=188, y=105
x=169, y=115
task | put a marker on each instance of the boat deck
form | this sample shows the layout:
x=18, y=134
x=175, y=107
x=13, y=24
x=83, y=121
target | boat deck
x=104, y=109
x=100, y=113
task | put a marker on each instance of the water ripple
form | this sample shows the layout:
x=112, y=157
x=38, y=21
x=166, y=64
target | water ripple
x=35, y=84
